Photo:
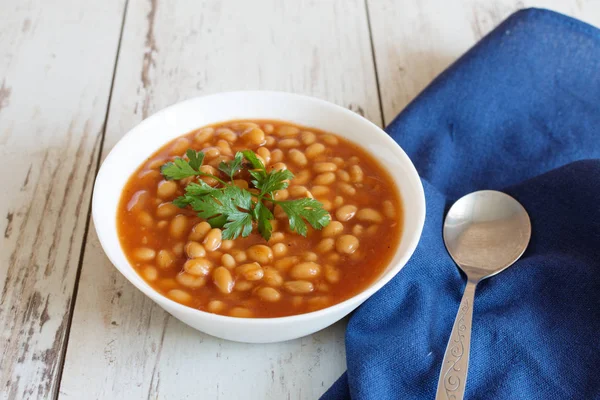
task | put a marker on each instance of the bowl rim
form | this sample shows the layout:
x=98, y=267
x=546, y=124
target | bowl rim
x=358, y=298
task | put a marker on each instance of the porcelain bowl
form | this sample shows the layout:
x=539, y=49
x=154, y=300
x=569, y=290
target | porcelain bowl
x=176, y=120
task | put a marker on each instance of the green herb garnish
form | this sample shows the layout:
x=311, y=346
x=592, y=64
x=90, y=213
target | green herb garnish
x=237, y=210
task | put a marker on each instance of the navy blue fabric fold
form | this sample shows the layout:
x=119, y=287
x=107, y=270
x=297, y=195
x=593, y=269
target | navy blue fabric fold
x=519, y=112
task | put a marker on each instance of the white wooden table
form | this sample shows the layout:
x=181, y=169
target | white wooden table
x=76, y=75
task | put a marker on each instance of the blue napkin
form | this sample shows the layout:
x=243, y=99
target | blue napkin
x=519, y=112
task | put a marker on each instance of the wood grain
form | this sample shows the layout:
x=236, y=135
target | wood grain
x=415, y=40
x=122, y=346
x=56, y=64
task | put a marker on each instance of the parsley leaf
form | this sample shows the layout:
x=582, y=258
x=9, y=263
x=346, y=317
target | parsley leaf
x=224, y=201
x=232, y=167
x=222, y=207
x=177, y=169
x=183, y=201
x=218, y=221
x=237, y=224
x=275, y=180
x=191, y=191
x=259, y=177
x=301, y=209
x=180, y=168
x=200, y=188
x=264, y=216
x=254, y=161
x=196, y=158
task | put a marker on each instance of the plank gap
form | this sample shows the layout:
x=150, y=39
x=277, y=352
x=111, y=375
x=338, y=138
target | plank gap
x=61, y=362
x=374, y=63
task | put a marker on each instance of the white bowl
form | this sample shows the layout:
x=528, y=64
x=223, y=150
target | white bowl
x=181, y=118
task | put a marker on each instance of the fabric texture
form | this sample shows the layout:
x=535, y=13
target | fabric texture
x=519, y=112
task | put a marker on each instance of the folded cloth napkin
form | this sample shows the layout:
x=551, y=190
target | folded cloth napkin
x=519, y=112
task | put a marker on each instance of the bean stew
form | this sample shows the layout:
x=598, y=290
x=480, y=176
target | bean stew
x=184, y=258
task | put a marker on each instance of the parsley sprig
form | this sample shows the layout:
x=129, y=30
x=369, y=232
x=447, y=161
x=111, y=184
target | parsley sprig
x=237, y=210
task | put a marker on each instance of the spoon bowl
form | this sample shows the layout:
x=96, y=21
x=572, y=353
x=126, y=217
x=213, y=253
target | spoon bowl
x=485, y=232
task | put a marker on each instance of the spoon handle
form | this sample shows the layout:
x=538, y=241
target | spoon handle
x=453, y=376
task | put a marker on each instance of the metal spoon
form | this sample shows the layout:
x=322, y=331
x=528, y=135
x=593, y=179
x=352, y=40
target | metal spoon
x=485, y=232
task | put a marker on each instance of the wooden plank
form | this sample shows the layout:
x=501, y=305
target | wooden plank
x=122, y=346
x=415, y=40
x=56, y=65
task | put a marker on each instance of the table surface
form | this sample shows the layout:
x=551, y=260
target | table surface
x=76, y=75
